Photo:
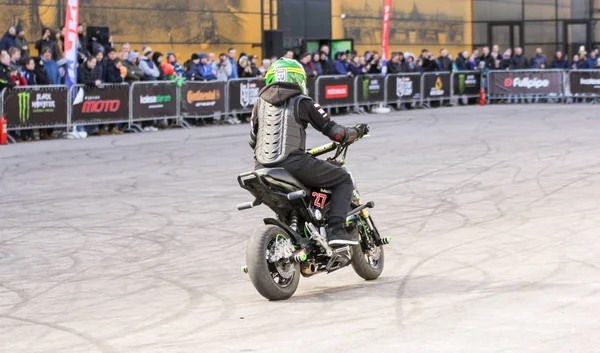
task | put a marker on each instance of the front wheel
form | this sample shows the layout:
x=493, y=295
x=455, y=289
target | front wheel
x=273, y=275
x=367, y=258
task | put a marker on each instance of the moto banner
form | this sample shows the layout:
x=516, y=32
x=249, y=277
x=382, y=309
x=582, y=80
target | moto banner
x=403, y=88
x=243, y=94
x=335, y=90
x=370, y=89
x=35, y=106
x=154, y=100
x=526, y=82
x=585, y=82
x=466, y=83
x=436, y=85
x=110, y=103
x=202, y=98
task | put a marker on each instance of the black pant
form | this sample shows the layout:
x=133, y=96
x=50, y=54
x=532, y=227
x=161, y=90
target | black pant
x=316, y=173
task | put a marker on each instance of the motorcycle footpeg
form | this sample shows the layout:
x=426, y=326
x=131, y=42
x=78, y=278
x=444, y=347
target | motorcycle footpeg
x=383, y=241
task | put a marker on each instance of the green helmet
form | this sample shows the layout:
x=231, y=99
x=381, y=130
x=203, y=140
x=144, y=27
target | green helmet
x=287, y=70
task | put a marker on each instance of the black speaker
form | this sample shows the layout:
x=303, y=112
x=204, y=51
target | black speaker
x=272, y=44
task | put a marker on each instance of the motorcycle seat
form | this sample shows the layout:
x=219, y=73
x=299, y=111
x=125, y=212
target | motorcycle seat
x=282, y=178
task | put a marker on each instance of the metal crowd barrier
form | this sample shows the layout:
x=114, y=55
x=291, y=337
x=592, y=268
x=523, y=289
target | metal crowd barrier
x=202, y=100
x=406, y=88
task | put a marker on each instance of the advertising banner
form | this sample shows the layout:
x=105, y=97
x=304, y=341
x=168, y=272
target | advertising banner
x=466, y=83
x=243, y=94
x=109, y=103
x=370, y=89
x=404, y=88
x=585, y=82
x=336, y=90
x=35, y=106
x=154, y=100
x=436, y=85
x=526, y=82
x=71, y=41
x=202, y=98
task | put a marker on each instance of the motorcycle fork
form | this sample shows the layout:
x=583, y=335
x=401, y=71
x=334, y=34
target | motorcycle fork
x=366, y=217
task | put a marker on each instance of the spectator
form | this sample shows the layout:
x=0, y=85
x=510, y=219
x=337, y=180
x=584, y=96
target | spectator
x=112, y=70
x=395, y=65
x=519, y=61
x=496, y=52
x=308, y=66
x=592, y=61
x=428, y=62
x=472, y=62
x=245, y=70
x=51, y=67
x=192, y=68
x=86, y=74
x=40, y=72
x=316, y=63
x=255, y=69
x=265, y=66
x=327, y=65
x=486, y=58
x=444, y=62
x=505, y=63
x=211, y=59
x=5, y=77
x=222, y=68
x=15, y=59
x=157, y=59
x=29, y=72
x=461, y=61
x=577, y=64
x=108, y=45
x=234, y=69
x=341, y=65
x=559, y=62
x=59, y=38
x=205, y=71
x=100, y=64
x=134, y=73
x=47, y=41
x=84, y=46
x=374, y=65
x=10, y=39
x=289, y=54
x=411, y=66
x=22, y=42
x=538, y=61
x=126, y=48
x=355, y=66
x=177, y=66
x=151, y=72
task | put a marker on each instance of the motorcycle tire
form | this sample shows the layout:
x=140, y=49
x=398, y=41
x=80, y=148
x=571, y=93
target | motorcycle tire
x=364, y=265
x=261, y=271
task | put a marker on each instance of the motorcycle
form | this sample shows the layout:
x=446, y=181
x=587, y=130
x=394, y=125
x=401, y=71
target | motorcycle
x=295, y=242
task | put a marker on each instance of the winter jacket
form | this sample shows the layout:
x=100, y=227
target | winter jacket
x=309, y=69
x=99, y=70
x=318, y=67
x=519, y=62
x=375, y=69
x=461, y=63
x=444, y=62
x=134, y=73
x=5, y=78
x=504, y=64
x=51, y=44
x=22, y=42
x=472, y=65
x=537, y=61
x=29, y=76
x=161, y=73
x=591, y=63
x=578, y=65
x=205, y=72
x=192, y=72
x=151, y=72
x=341, y=67
x=41, y=75
x=395, y=68
x=429, y=65
x=52, y=71
x=111, y=73
x=222, y=72
x=8, y=42
x=328, y=67
x=355, y=69
x=86, y=76
x=234, y=68
x=559, y=64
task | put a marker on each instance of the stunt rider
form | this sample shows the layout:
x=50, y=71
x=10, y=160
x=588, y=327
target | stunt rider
x=278, y=137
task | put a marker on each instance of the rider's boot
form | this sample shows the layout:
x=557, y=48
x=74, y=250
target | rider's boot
x=337, y=236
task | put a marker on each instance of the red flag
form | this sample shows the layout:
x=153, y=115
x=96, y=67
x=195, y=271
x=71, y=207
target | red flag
x=71, y=38
x=385, y=33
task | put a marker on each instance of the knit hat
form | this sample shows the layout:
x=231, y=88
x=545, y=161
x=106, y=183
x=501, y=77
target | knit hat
x=132, y=56
x=195, y=57
x=242, y=58
x=170, y=53
x=146, y=51
x=202, y=56
x=506, y=53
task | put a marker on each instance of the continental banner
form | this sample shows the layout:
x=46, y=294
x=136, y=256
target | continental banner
x=35, y=106
x=466, y=83
x=335, y=90
x=154, y=100
x=202, y=98
x=526, y=82
x=110, y=103
x=403, y=88
x=436, y=85
x=585, y=82
x=370, y=89
x=243, y=94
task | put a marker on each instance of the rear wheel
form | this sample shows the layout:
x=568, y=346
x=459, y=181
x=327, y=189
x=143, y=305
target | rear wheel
x=273, y=275
x=367, y=258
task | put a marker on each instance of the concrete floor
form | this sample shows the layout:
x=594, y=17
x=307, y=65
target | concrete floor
x=133, y=243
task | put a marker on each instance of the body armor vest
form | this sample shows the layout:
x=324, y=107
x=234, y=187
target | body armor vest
x=280, y=131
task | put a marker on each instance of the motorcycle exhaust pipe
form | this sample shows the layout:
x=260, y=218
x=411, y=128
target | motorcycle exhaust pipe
x=309, y=268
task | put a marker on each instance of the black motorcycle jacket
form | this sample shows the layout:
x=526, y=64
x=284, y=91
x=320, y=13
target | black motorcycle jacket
x=279, y=120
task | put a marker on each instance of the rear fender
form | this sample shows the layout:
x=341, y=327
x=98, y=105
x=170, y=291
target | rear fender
x=297, y=238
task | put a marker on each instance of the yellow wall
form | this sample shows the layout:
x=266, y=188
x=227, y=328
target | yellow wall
x=415, y=25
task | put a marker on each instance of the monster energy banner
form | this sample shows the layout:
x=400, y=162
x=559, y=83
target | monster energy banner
x=243, y=94
x=466, y=83
x=436, y=85
x=35, y=106
x=370, y=89
x=154, y=100
x=202, y=98
x=403, y=88
x=585, y=82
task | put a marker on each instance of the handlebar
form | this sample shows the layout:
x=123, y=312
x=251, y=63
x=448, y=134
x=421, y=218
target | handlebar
x=329, y=147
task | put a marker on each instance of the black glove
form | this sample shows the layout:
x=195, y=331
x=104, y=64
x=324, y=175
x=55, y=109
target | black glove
x=362, y=129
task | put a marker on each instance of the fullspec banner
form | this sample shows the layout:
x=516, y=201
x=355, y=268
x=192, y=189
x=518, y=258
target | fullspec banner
x=526, y=82
x=109, y=103
x=403, y=88
x=243, y=94
x=370, y=89
x=336, y=91
x=35, y=106
x=154, y=100
x=585, y=82
x=436, y=85
x=466, y=83
x=202, y=98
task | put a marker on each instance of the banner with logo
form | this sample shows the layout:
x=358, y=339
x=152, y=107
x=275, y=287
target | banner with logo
x=35, y=106
x=436, y=85
x=403, y=88
x=71, y=41
x=202, y=98
x=154, y=100
x=466, y=83
x=370, y=89
x=335, y=90
x=526, y=82
x=243, y=94
x=585, y=82
x=110, y=103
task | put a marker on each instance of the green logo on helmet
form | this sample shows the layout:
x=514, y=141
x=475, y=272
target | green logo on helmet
x=287, y=70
